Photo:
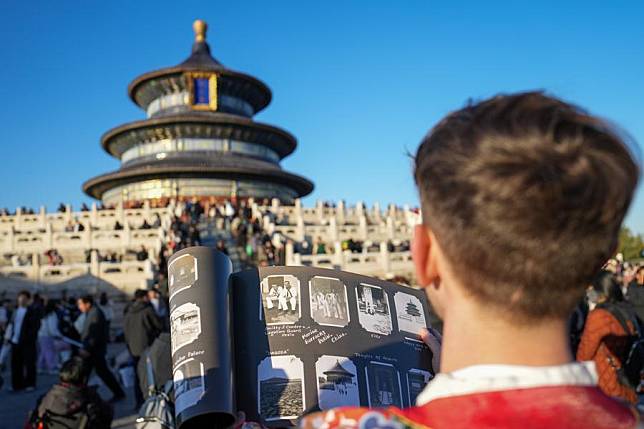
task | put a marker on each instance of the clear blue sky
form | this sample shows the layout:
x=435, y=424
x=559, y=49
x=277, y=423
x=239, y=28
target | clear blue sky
x=357, y=82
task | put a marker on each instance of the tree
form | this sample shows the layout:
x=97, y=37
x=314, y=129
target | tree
x=630, y=245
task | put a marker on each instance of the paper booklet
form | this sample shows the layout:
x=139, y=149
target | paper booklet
x=280, y=342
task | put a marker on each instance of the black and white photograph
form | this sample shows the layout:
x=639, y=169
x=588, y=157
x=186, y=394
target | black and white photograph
x=280, y=300
x=182, y=273
x=417, y=379
x=410, y=314
x=280, y=386
x=329, y=303
x=373, y=309
x=337, y=382
x=185, y=325
x=383, y=385
x=188, y=384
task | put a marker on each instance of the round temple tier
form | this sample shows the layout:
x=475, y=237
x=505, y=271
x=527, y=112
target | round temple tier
x=120, y=140
x=203, y=181
x=171, y=90
x=199, y=139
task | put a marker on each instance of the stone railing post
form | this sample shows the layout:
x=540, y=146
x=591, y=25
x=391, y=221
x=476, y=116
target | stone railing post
x=146, y=210
x=42, y=217
x=93, y=214
x=338, y=255
x=377, y=215
x=11, y=237
x=127, y=235
x=289, y=251
x=392, y=211
x=35, y=266
x=340, y=212
x=333, y=229
x=301, y=230
x=391, y=228
x=319, y=210
x=385, y=263
x=360, y=209
x=362, y=227
x=298, y=208
x=94, y=265
x=87, y=237
x=49, y=236
x=69, y=216
x=120, y=215
x=18, y=218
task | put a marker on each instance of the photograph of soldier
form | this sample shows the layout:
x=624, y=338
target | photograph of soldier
x=329, y=304
x=373, y=309
x=280, y=300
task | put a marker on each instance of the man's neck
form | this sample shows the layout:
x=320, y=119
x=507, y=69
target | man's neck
x=475, y=337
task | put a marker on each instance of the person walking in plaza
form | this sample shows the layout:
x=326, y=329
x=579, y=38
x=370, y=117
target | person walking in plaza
x=94, y=337
x=47, y=336
x=605, y=341
x=108, y=311
x=25, y=324
x=141, y=326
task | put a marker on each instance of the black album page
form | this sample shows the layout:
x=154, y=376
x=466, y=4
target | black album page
x=309, y=339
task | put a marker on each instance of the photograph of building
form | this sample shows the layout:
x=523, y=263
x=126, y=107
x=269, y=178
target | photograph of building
x=337, y=382
x=410, y=314
x=199, y=138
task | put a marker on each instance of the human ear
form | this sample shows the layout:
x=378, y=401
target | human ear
x=420, y=251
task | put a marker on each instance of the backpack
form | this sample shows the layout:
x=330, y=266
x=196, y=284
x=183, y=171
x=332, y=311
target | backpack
x=51, y=420
x=90, y=415
x=157, y=412
x=633, y=359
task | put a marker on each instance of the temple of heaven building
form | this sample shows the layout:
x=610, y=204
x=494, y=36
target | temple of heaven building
x=199, y=138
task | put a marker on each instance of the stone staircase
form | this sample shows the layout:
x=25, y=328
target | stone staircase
x=210, y=234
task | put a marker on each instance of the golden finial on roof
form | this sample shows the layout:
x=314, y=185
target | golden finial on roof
x=200, y=27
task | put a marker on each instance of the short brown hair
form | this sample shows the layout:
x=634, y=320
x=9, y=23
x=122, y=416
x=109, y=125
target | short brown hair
x=525, y=194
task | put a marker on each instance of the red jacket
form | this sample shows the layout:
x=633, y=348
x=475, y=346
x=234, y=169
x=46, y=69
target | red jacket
x=499, y=397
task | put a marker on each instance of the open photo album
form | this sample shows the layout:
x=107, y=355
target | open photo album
x=280, y=342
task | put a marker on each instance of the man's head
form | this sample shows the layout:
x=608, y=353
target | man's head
x=74, y=371
x=522, y=199
x=141, y=295
x=85, y=303
x=153, y=294
x=24, y=297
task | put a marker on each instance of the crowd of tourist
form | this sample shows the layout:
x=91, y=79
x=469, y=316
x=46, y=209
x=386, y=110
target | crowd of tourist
x=70, y=337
